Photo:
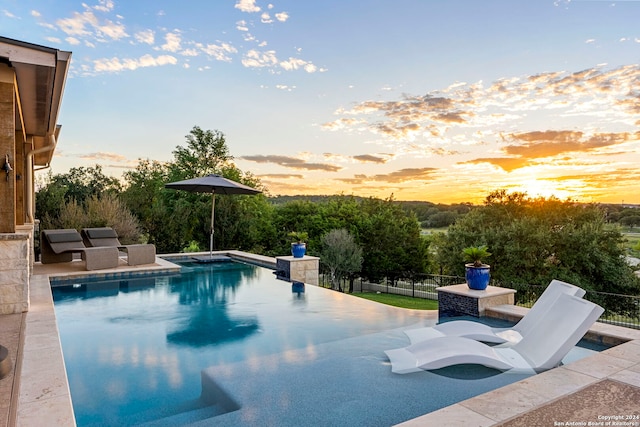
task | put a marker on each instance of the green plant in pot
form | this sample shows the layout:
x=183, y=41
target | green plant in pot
x=477, y=273
x=298, y=246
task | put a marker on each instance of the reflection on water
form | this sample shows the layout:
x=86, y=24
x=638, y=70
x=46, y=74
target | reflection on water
x=208, y=292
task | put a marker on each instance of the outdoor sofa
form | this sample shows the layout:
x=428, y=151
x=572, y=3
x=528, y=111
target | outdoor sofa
x=60, y=246
x=108, y=237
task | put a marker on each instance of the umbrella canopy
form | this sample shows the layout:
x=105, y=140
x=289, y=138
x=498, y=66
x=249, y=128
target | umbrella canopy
x=214, y=184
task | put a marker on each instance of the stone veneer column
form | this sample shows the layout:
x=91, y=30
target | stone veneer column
x=305, y=269
x=459, y=300
x=14, y=273
x=7, y=147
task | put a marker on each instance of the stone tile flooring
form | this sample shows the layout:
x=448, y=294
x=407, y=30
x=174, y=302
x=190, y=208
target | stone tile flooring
x=10, y=326
x=613, y=399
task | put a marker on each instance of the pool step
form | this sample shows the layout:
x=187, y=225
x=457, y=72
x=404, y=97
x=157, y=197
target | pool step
x=184, y=418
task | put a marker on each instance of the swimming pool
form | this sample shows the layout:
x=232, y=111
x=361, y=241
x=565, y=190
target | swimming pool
x=138, y=350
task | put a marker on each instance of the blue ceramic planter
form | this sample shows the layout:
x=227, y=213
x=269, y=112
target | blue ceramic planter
x=477, y=277
x=298, y=249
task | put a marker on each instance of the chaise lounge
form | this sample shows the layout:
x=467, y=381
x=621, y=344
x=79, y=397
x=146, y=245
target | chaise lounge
x=107, y=237
x=481, y=332
x=60, y=246
x=543, y=347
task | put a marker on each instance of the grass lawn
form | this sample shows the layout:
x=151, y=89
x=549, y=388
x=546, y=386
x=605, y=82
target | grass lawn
x=399, y=300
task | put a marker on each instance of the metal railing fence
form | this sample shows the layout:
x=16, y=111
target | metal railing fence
x=622, y=310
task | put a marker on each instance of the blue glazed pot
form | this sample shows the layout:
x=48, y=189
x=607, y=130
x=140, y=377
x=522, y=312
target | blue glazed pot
x=477, y=277
x=298, y=249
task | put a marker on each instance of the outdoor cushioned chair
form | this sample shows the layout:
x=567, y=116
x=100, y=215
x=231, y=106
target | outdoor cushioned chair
x=60, y=245
x=542, y=348
x=481, y=332
x=107, y=236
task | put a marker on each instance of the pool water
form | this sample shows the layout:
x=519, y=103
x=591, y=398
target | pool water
x=138, y=350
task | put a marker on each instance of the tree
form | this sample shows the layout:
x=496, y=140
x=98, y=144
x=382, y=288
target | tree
x=388, y=234
x=533, y=241
x=107, y=211
x=79, y=185
x=630, y=220
x=206, y=152
x=175, y=219
x=342, y=256
x=391, y=240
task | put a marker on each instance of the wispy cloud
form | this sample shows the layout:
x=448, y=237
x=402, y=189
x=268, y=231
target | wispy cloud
x=117, y=64
x=588, y=92
x=368, y=158
x=396, y=177
x=464, y=115
x=292, y=163
x=98, y=24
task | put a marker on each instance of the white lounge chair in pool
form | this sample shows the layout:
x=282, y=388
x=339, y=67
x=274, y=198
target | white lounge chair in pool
x=542, y=348
x=481, y=332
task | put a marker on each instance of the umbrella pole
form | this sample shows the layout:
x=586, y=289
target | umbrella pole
x=213, y=208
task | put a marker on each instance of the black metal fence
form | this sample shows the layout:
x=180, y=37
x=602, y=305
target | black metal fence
x=619, y=309
x=414, y=285
x=622, y=310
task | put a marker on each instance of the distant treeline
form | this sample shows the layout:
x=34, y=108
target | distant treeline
x=440, y=215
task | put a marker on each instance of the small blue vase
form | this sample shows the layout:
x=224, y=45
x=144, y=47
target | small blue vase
x=298, y=249
x=477, y=277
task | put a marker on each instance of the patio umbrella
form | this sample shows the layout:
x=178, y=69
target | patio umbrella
x=214, y=184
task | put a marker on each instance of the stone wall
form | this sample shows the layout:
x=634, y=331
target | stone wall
x=305, y=269
x=15, y=262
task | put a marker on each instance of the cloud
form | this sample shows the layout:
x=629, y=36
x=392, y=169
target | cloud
x=285, y=87
x=548, y=144
x=507, y=164
x=98, y=24
x=117, y=64
x=444, y=121
x=281, y=176
x=87, y=24
x=368, y=158
x=256, y=59
x=172, y=42
x=292, y=163
x=145, y=36
x=219, y=52
x=242, y=25
x=399, y=176
x=265, y=18
x=104, y=156
x=282, y=16
x=553, y=143
x=296, y=63
x=248, y=6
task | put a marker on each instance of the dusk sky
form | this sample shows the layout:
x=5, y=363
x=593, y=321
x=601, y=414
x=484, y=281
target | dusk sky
x=442, y=101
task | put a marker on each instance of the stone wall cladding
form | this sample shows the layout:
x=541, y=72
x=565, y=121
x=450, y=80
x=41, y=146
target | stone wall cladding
x=304, y=269
x=450, y=305
x=14, y=273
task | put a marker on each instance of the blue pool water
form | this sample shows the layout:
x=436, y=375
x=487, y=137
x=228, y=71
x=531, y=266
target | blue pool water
x=138, y=351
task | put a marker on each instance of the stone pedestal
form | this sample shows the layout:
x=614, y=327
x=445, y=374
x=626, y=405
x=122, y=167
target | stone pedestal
x=459, y=300
x=14, y=272
x=305, y=269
